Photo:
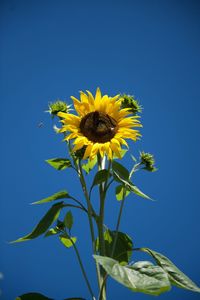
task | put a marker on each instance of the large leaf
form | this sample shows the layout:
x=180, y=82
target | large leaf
x=142, y=276
x=176, y=277
x=59, y=163
x=56, y=196
x=121, y=174
x=33, y=296
x=123, y=246
x=100, y=177
x=66, y=241
x=44, y=224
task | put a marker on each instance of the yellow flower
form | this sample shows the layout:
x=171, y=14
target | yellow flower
x=101, y=126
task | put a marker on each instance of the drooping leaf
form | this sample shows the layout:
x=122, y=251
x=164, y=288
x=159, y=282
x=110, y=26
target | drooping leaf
x=59, y=163
x=119, y=171
x=133, y=188
x=121, y=175
x=89, y=165
x=33, y=296
x=123, y=246
x=176, y=277
x=44, y=224
x=120, y=192
x=56, y=196
x=100, y=177
x=142, y=276
x=67, y=241
x=68, y=221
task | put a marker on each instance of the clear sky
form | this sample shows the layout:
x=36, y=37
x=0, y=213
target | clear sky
x=53, y=49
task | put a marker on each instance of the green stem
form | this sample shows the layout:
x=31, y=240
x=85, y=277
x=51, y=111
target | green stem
x=118, y=221
x=100, y=224
x=91, y=212
x=83, y=270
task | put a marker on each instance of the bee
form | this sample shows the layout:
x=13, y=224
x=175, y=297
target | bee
x=40, y=124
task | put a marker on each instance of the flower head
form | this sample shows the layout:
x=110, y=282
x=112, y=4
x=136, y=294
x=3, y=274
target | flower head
x=148, y=161
x=101, y=125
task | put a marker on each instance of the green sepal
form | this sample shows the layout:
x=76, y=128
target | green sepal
x=56, y=196
x=89, y=165
x=59, y=163
x=33, y=296
x=176, y=277
x=67, y=241
x=68, y=220
x=120, y=193
x=142, y=276
x=44, y=224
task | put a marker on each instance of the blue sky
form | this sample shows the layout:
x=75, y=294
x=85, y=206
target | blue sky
x=53, y=49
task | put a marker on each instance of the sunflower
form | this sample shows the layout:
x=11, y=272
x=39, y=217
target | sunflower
x=100, y=126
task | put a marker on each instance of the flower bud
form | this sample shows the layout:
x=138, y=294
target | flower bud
x=58, y=106
x=148, y=161
x=131, y=103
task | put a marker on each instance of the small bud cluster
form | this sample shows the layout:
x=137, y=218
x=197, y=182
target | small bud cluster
x=131, y=103
x=58, y=106
x=148, y=161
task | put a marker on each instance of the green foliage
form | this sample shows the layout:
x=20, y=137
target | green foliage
x=142, y=276
x=176, y=277
x=121, y=192
x=59, y=163
x=89, y=165
x=148, y=161
x=56, y=196
x=51, y=231
x=44, y=224
x=121, y=174
x=100, y=177
x=68, y=221
x=67, y=241
x=33, y=296
x=123, y=247
x=130, y=102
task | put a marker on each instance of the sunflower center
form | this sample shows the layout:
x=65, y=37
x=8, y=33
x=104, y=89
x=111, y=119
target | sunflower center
x=98, y=127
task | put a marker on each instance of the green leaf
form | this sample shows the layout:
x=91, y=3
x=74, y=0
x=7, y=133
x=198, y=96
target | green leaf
x=120, y=171
x=56, y=196
x=133, y=188
x=176, y=277
x=44, y=223
x=51, y=231
x=100, y=177
x=59, y=163
x=142, y=276
x=121, y=174
x=119, y=192
x=122, y=153
x=68, y=221
x=89, y=165
x=66, y=241
x=33, y=296
x=123, y=247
